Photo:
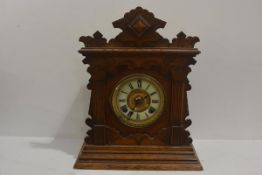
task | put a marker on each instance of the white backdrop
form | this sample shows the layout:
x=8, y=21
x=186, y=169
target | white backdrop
x=42, y=78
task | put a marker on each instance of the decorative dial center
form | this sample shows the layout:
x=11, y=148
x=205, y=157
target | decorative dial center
x=138, y=100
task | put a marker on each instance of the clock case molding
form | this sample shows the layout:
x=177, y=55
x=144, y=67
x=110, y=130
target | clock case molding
x=164, y=145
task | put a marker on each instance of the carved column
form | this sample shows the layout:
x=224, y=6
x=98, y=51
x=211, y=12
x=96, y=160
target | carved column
x=97, y=102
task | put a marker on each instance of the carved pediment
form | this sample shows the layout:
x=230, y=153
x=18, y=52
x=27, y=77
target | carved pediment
x=139, y=29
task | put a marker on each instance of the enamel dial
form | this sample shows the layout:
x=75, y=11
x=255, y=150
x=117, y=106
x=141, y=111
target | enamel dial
x=138, y=100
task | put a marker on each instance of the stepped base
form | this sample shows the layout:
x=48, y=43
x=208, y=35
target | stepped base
x=138, y=158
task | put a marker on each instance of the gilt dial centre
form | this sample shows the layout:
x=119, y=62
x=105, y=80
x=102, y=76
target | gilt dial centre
x=138, y=100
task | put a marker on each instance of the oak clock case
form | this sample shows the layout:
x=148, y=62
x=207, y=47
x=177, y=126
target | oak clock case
x=138, y=112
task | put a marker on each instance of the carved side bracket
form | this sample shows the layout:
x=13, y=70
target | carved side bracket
x=97, y=40
x=183, y=41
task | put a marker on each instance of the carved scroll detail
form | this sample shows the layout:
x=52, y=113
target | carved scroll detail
x=183, y=41
x=96, y=40
x=139, y=29
x=138, y=138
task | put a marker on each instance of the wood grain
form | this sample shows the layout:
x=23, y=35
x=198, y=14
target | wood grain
x=138, y=49
x=138, y=158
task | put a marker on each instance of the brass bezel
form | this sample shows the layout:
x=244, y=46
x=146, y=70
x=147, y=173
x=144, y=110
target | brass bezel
x=140, y=123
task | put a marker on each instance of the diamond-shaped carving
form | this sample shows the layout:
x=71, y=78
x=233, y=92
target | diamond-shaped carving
x=139, y=25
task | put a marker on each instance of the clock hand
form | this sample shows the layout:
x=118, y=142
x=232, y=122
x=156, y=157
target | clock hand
x=137, y=102
x=145, y=96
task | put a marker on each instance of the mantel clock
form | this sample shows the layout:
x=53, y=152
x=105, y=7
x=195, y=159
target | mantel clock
x=138, y=106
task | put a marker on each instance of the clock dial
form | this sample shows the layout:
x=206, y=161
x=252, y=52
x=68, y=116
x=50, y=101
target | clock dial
x=138, y=100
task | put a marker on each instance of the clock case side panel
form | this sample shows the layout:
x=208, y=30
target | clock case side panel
x=97, y=82
x=179, y=69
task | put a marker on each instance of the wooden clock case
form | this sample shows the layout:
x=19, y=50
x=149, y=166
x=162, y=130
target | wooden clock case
x=163, y=145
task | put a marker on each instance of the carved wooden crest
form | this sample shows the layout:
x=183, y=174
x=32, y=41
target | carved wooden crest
x=139, y=28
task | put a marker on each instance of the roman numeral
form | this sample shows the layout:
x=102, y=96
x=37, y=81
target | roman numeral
x=129, y=115
x=139, y=83
x=153, y=93
x=123, y=92
x=124, y=108
x=137, y=116
x=147, y=86
x=122, y=100
x=155, y=101
x=151, y=110
x=147, y=115
x=131, y=86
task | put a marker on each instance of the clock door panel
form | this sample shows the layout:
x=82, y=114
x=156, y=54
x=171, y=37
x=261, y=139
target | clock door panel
x=155, y=133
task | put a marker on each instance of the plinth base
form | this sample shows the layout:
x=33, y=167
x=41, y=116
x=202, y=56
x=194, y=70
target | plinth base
x=182, y=158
